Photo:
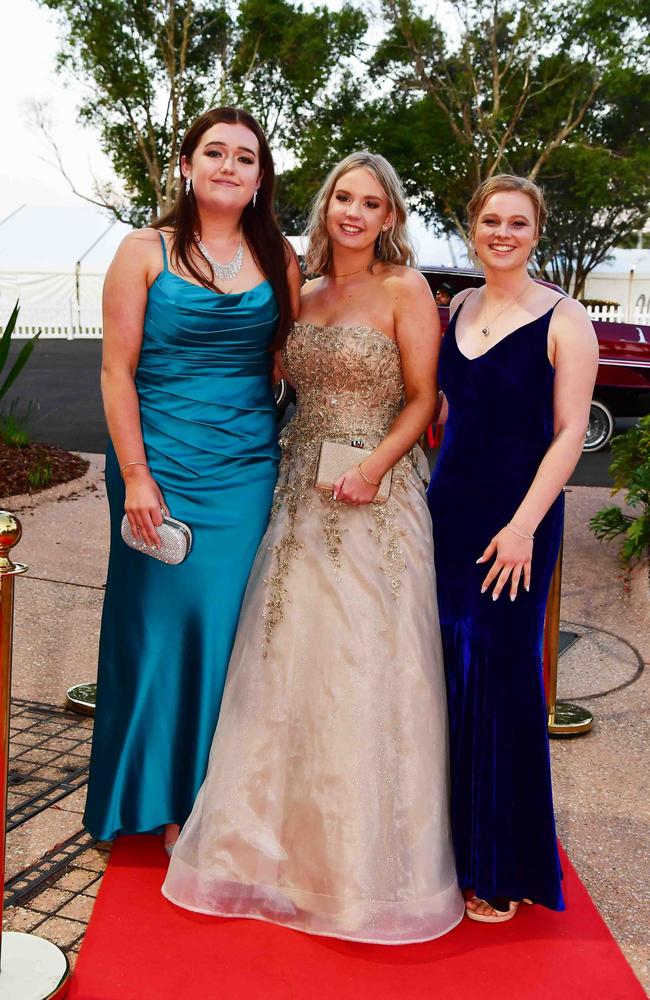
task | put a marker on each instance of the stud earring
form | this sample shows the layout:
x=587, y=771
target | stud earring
x=188, y=184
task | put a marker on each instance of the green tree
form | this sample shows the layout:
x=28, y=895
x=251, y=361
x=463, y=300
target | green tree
x=150, y=68
x=547, y=91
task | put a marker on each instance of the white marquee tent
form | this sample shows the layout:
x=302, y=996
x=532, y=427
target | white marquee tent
x=54, y=258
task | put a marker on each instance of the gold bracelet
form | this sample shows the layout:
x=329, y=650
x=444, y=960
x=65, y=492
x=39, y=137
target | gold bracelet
x=518, y=531
x=127, y=464
x=363, y=476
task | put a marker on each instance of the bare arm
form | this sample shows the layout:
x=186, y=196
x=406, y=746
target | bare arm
x=575, y=353
x=294, y=279
x=124, y=304
x=417, y=329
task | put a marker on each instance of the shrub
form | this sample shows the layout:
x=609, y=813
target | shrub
x=39, y=476
x=15, y=426
x=631, y=472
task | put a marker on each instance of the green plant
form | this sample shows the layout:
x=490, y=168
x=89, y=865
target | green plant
x=23, y=356
x=40, y=475
x=631, y=472
x=14, y=426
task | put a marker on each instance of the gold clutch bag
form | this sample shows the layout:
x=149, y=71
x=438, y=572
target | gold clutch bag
x=335, y=459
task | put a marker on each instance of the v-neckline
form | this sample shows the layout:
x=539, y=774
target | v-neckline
x=523, y=326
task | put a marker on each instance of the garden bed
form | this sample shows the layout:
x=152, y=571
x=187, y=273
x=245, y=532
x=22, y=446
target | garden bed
x=35, y=467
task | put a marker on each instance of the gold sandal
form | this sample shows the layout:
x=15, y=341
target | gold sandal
x=499, y=916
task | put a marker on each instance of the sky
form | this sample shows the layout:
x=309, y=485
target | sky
x=28, y=73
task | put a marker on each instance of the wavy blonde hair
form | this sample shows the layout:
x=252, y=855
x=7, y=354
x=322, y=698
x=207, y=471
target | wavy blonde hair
x=395, y=246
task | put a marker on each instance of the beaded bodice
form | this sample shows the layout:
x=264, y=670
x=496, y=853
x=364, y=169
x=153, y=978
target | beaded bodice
x=348, y=380
x=350, y=389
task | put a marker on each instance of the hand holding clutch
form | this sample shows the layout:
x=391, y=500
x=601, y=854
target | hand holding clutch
x=335, y=459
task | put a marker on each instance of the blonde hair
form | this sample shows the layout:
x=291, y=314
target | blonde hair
x=395, y=246
x=506, y=182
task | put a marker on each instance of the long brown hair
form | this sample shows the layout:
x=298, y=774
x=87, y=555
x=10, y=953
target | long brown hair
x=270, y=250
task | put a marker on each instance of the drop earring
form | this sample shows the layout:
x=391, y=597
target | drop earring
x=255, y=198
x=188, y=184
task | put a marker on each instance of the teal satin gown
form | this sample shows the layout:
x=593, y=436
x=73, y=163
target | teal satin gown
x=210, y=433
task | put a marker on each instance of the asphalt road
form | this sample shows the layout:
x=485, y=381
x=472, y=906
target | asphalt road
x=61, y=380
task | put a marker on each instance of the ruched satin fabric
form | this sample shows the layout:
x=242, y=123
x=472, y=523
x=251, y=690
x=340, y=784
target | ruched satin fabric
x=325, y=807
x=210, y=433
x=499, y=428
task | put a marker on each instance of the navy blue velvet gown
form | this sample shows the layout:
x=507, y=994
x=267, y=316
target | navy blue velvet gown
x=499, y=427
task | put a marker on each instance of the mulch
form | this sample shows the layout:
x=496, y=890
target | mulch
x=16, y=465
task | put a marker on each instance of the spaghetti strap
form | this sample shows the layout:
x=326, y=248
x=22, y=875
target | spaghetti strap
x=557, y=302
x=164, y=252
x=463, y=303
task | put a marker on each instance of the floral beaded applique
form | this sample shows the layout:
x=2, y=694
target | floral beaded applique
x=349, y=383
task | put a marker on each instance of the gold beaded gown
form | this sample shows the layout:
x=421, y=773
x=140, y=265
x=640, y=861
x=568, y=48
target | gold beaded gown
x=326, y=803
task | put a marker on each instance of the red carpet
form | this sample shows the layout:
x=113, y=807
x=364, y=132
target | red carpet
x=140, y=947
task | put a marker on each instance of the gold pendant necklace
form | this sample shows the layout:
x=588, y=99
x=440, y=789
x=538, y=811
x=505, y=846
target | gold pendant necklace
x=486, y=329
x=350, y=273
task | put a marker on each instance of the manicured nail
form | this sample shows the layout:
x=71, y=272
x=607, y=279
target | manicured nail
x=512, y=597
x=494, y=597
x=527, y=587
x=480, y=559
x=483, y=589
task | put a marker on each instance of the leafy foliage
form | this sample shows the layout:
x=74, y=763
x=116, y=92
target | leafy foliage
x=23, y=355
x=631, y=472
x=154, y=67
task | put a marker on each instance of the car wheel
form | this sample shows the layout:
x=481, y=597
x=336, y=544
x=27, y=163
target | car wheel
x=601, y=427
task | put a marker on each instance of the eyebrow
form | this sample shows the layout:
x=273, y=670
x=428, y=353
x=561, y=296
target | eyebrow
x=375, y=197
x=515, y=216
x=216, y=142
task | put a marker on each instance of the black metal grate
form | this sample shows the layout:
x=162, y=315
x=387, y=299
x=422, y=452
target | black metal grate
x=49, y=752
x=28, y=884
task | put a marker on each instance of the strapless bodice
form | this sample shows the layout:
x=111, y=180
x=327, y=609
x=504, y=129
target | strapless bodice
x=348, y=380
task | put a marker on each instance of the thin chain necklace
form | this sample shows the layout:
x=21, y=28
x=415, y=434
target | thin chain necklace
x=224, y=272
x=486, y=329
x=350, y=273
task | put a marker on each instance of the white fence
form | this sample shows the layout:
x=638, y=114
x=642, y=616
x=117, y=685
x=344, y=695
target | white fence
x=72, y=322
x=63, y=323
x=616, y=314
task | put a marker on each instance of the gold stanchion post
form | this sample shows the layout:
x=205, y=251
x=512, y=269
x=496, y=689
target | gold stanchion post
x=31, y=968
x=564, y=718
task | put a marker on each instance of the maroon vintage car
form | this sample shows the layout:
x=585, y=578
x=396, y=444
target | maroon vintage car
x=623, y=380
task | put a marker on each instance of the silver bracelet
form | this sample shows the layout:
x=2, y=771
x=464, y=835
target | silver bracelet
x=127, y=464
x=518, y=531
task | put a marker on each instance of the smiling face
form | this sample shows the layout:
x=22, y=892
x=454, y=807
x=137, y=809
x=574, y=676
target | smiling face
x=506, y=230
x=358, y=210
x=225, y=167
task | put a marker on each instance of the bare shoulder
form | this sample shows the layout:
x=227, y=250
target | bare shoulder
x=406, y=284
x=140, y=242
x=459, y=298
x=310, y=286
x=570, y=318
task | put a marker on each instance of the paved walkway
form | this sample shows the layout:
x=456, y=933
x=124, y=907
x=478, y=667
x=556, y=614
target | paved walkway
x=601, y=779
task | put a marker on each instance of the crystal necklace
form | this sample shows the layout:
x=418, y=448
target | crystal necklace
x=224, y=272
x=486, y=329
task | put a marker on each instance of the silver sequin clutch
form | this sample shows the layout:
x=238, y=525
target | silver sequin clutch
x=175, y=538
x=336, y=458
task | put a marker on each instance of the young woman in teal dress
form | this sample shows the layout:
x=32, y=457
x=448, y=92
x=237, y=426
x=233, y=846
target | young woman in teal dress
x=186, y=380
x=517, y=367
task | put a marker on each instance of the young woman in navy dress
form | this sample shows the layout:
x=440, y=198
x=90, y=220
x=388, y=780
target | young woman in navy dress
x=518, y=365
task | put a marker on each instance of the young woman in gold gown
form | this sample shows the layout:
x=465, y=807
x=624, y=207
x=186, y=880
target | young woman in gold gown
x=325, y=806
